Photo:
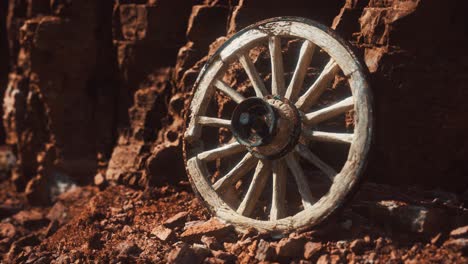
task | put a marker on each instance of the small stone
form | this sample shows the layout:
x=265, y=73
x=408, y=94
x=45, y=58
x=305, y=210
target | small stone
x=57, y=212
x=323, y=259
x=201, y=251
x=127, y=229
x=335, y=259
x=358, y=246
x=290, y=247
x=394, y=255
x=251, y=232
x=213, y=260
x=342, y=244
x=211, y=242
x=128, y=248
x=182, y=254
x=379, y=243
x=460, y=232
x=7, y=230
x=460, y=244
x=128, y=207
x=437, y=240
x=213, y=227
x=265, y=252
x=224, y=256
x=415, y=248
x=31, y=219
x=162, y=233
x=176, y=220
x=100, y=181
x=367, y=239
x=189, y=224
x=311, y=249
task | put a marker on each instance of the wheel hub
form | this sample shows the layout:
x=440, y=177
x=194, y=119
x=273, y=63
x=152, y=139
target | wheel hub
x=268, y=127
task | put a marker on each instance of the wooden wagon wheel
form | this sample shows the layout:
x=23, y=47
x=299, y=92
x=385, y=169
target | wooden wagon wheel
x=258, y=163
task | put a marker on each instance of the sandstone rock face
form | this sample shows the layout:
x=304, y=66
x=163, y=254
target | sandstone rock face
x=4, y=55
x=58, y=103
x=101, y=86
x=411, y=55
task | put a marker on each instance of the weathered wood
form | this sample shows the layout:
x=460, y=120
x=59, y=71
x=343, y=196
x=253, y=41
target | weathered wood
x=307, y=199
x=198, y=172
x=329, y=111
x=343, y=182
x=242, y=44
x=227, y=90
x=255, y=189
x=226, y=150
x=245, y=165
x=214, y=122
x=257, y=82
x=346, y=138
x=304, y=152
x=318, y=87
x=303, y=62
x=277, y=70
x=201, y=99
x=278, y=200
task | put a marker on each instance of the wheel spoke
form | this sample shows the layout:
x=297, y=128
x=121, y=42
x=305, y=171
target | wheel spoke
x=221, y=152
x=321, y=83
x=214, y=122
x=279, y=190
x=307, y=199
x=312, y=158
x=277, y=71
x=330, y=111
x=256, y=187
x=227, y=90
x=245, y=165
x=254, y=77
x=346, y=138
x=305, y=57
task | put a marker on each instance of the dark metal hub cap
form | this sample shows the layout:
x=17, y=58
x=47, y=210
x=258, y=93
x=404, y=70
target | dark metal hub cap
x=268, y=127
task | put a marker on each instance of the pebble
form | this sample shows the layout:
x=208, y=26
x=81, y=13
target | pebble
x=162, y=233
x=176, y=220
x=460, y=232
x=311, y=249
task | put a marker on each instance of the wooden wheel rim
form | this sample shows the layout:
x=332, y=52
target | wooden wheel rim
x=345, y=181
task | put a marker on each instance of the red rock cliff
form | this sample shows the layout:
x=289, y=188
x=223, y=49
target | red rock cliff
x=100, y=86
